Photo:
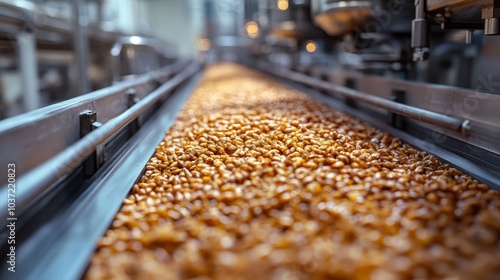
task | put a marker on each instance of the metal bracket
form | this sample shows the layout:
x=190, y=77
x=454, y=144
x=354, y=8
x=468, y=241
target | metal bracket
x=89, y=123
x=420, y=32
x=397, y=120
x=465, y=128
x=323, y=77
x=132, y=99
x=350, y=83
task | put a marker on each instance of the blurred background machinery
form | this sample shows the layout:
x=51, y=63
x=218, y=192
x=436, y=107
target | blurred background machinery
x=68, y=48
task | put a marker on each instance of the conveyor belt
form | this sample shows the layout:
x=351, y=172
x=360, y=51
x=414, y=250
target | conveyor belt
x=256, y=180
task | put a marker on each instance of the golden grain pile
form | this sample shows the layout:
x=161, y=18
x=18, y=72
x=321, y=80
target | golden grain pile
x=258, y=181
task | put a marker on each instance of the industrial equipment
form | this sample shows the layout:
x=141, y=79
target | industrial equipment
x=346, y=126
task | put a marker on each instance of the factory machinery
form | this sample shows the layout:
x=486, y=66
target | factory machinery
x=424, y=72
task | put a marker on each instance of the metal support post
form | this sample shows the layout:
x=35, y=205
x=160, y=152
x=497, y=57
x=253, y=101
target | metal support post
x=81, y=45
x=28, y=64
x=89, y=123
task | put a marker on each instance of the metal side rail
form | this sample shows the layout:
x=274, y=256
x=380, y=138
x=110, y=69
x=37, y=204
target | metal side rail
x=418, y=114
x=44, y=177
x=30, y=139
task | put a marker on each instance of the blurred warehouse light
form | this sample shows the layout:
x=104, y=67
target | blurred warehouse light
x=311, y=46
x=252, y=29
x=203, y=44
x=283, y=5
x=136, y=40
